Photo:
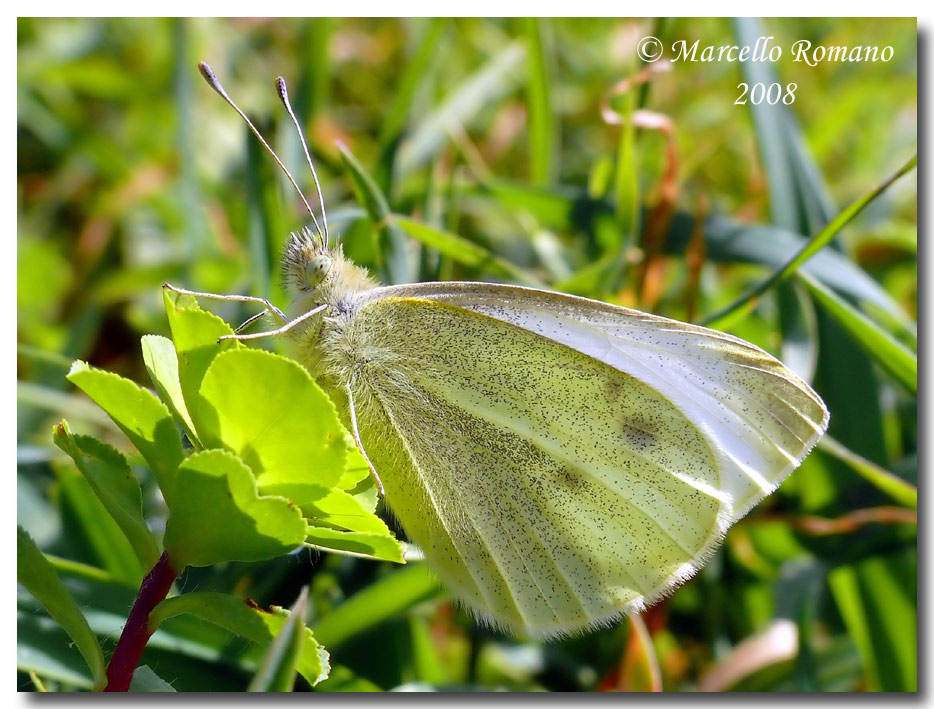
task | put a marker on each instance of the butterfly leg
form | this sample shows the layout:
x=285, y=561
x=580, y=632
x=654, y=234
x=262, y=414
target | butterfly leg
x=356, y=435
x=269, y=308
x=249, y=321
x=272, y=333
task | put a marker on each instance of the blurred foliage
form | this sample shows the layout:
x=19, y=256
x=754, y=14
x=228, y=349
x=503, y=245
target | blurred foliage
x=513, y=157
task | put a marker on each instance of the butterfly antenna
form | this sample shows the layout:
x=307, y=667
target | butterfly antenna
x=212, y=80
x=284, y=97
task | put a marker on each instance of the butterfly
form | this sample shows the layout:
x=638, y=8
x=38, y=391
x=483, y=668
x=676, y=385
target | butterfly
x=560, y=461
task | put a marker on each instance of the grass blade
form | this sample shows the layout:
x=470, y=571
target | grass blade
x=280, y=664
x=797, y=197
x=892, y=485
x=541, y=118
x=36, y=574
x=627, y=177
x=494, y=80
x=376, y=603
x=458, y=249
x=890, y=354
x=415, y=72
x=815, y=244
x=396, y=264
x=312, y=94
x=875, y=603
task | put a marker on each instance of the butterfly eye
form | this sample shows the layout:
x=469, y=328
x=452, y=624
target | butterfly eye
x=317, y=269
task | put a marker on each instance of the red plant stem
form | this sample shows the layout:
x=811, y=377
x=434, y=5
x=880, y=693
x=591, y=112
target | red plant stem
x=136, y=632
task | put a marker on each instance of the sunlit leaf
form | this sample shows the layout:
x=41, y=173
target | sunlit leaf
x=140, y=415
x=218, y=516
x=269, y=411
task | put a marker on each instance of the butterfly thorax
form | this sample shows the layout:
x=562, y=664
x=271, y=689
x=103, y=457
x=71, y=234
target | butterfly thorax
x=322, y=275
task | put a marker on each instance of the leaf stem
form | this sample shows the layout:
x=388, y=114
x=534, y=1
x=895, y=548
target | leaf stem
x=153, y=590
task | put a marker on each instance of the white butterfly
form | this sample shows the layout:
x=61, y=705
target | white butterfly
x=559, y=460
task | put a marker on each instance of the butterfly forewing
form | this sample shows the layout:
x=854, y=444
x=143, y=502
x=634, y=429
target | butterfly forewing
x=760, y=417
x=549, y=488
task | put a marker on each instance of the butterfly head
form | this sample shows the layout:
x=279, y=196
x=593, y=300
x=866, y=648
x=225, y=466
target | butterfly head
x=307, y=262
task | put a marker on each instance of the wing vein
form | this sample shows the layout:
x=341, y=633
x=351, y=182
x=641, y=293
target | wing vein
x=438, y=509
x=529, y=437
x=430, y=493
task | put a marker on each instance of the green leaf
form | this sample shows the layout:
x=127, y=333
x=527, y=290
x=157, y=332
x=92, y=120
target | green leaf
x=40, y=579
x=341, y=509
x=76, y=568
x=888, y=353
x=265, y=226
x=378, y=602
x=269, y=411
x=218, y=516
x=247, y=621
x=356, y=479
x=277, y=672
x=466, y=252
x=797, y=196
x=564, y=208
x=146, y=680
x=109, y=475
x=38, y=396
x=195, y=334
x=797, y=320
x=848, y=381
x=729, y=241
x=364, y=544
x=427, y=659
x=314, y=662
x=96, y=529
x=343, y=679
x=826, y=235
x=193, y=228
x=44, y=648
x=190, y=653
x=315, y=57
x=331, y=507
x=140, y=415
x=558, y=207
x=366, y=493
x=162, y=364
x=356, y=469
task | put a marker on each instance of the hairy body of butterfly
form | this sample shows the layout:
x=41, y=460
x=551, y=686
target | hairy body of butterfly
x=560, y=461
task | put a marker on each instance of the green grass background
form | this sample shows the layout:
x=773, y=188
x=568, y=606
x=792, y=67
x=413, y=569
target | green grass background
x=132, y=172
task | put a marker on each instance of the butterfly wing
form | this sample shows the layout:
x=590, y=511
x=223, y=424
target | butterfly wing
x=562, y=461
